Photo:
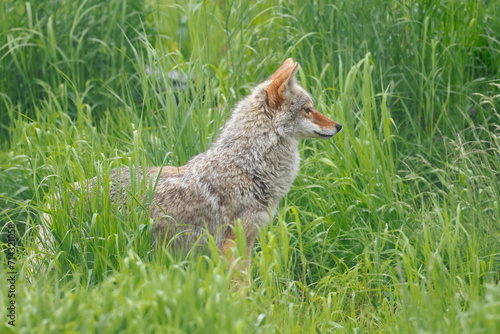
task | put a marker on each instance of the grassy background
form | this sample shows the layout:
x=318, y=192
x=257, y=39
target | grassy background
x=391, y=226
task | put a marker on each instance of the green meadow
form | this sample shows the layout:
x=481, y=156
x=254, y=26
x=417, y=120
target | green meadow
x=392, y=226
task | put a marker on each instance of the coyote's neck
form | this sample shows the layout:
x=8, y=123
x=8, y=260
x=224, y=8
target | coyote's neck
x=253, y=145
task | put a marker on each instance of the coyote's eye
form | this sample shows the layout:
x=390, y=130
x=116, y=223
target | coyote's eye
x=308, y=110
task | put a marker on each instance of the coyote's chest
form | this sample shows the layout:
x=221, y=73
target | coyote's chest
x=285, y=173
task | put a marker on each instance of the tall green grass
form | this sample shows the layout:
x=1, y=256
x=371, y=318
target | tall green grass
x=391, y=226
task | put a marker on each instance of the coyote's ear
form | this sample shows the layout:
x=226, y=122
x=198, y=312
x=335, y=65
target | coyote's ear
x=281, y=80
x=286, y=64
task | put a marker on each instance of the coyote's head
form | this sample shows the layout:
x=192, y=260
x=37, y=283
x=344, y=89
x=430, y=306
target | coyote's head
x=292, y=108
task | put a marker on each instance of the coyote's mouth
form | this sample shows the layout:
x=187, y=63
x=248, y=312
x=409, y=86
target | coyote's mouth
x=323, y=135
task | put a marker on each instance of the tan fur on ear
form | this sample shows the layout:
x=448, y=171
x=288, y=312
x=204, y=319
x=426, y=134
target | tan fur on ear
x=281, y=78
x=286, y=64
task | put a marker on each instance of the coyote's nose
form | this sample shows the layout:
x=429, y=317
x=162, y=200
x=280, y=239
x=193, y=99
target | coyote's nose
x=338, y=127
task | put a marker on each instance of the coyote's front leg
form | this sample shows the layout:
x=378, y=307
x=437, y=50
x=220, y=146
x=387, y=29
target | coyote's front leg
x=228, y=246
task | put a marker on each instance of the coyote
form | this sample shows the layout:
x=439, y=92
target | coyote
x=242, y=176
